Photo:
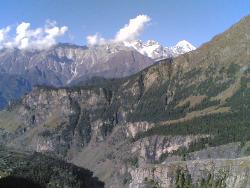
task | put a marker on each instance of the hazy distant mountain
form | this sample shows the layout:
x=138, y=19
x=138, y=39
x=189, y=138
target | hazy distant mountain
x=12, y=87
x=64, y=63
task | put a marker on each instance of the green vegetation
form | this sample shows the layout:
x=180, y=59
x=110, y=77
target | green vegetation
x=210, y=88
x=223, y=128
x=45, y=170
x=151, y=183
x=233, y=69
x=134, y=161
x=183, y=179
x=161, y=103
x=12, y=181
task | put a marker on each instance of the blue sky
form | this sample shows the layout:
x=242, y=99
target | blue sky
x=196, y=21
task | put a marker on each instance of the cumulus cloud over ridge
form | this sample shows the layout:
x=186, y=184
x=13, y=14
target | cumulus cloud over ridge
x=95, y=40
x=27, y=38
x=3, y=34
x=129, y=32
x=133, y=29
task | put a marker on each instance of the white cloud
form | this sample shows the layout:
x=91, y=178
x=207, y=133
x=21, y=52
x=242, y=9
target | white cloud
x=133, y=29
x=3, y=35
x=50, y=36
x=129, y=32
x=39, y=38
x=96, y=39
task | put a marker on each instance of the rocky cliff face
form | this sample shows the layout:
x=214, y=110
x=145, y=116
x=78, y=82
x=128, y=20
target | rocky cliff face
x=183, y=121
x=202, y=173
x=70, y=120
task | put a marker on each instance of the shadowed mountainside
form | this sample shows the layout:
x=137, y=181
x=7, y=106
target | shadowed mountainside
x=19, y=169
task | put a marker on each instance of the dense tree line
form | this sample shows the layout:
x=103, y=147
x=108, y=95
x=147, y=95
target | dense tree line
x=45, y=170
x=224, y=128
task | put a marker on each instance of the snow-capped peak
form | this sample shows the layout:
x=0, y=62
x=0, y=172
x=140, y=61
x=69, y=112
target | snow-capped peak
x=185, y=46
x=154, y=50
x=151, y=43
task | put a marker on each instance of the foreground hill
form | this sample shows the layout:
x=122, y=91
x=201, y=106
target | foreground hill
x=182, y=121
x=41, y=171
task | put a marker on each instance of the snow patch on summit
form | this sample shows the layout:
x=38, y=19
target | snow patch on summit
x=155, y=50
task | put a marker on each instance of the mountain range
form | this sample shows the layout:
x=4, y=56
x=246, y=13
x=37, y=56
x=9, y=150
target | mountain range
x=155, y=50
x=181, y=122
x=66, y=64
